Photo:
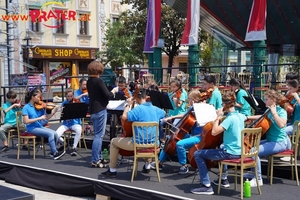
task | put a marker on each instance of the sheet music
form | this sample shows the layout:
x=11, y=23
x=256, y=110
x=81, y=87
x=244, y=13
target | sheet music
x=114, y=104
x=256, y=103
x=204, y=113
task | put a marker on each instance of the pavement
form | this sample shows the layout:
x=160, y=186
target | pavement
x=41, y=195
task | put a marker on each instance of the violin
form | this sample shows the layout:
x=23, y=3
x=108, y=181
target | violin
x=84, y=91
x=206, y=95
x=49, y=106
x=125, y=90
x=74, y=100
x=285, y=103
x=20, y=102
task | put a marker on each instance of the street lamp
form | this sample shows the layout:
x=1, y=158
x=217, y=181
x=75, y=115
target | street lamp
x=28, y=46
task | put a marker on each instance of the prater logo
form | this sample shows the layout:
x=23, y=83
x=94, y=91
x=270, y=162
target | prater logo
x=45, y=17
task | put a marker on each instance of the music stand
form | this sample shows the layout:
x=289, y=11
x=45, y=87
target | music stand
x=260, y=107
x=74, y=111
x=160, y=100
x=118, y=96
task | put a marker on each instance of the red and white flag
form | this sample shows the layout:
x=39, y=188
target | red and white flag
x=190, y=33
x=256, y=30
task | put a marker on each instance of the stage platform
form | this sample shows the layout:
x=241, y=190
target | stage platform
x=74, y=176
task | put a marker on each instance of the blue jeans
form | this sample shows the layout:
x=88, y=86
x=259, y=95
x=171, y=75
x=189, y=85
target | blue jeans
x=47, y=133
x=269, y=148
x=161, y=126
x=210, y=154
x=99, y=123
x=181, y=147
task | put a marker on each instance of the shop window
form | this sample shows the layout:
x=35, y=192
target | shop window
x=83, y=24
x=83, y=68
x=58, y=71
x=34, y=26
x=38, y=64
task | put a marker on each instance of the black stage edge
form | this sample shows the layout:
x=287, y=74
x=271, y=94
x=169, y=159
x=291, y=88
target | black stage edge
x=68, y=184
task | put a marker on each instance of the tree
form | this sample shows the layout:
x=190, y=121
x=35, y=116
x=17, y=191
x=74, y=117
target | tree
x=118, y=46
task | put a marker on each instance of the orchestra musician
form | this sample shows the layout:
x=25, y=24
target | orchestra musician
x=70, y=124
x=9, y=109
x=99, y=96
x=241, y=105
x=82, y=93
x=34, y=117
x=186, y=143
x=122, y=88
x=232, y=127
x=276, y=138
x=145, y=112
x=209, y=82
x=294, y=98
x=178, y=96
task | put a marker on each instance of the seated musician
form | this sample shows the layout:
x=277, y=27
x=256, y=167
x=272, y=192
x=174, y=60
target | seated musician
x=186, y=143
x=242, y=106
x=209, y=82
x=33, y=118
x=232, y=126
x=178, y=96
x=145, y=112
x=276, y=139
x=82, y=93
x=294, y=98
x=71, y=124
x=122, y=88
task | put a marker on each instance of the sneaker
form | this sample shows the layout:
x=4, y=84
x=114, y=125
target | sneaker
x=58, y=154
x=153, y=166
x=61, y=148
x=253, y=182
x=202, y=190
x=4, y=149
x=224, y=183
x=146, y=171
x=109, y=173
x=100, y=163
x=73, y=152
x=183, y=170
x=286, y=159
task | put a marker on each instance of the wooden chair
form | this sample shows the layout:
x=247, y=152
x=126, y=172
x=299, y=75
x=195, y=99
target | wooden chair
x=292, y=153
x=68, y=134
x=146, y=78
x=184, y=78
x=165, y=86
x=200, y=78
x=25, y=136
x=252, y=139
x=266, y=78
x=245, y=78
x=149, y=148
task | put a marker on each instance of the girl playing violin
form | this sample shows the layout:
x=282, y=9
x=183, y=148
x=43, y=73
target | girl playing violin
x=276, y=139
x=82, y=93
x=71, y=124
x=241, y=104
x=294, y=98
x=232, y=127
x=33, y=117
x=178, y=96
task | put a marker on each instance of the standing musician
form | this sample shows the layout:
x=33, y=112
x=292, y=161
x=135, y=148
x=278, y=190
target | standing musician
x=232, y=126
x=33, y=117
x=82, y=93
x=276, y=139
x=241, y=105
x=186, y=143
x=209, y=82
x=71, y=124
x=145, y=112
x=294, y=98
x=9, y=109
x=178, y=96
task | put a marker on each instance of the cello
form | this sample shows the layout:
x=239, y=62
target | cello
x=185, y=125
x=127, y=126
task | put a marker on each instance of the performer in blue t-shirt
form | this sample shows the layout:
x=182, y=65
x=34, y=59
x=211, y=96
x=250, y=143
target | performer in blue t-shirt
x=82, y=93
x=144, y=112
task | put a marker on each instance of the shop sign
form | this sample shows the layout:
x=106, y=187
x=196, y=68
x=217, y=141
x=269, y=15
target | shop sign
x=67, y=53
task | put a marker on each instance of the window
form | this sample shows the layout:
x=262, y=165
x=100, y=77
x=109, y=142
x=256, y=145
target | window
x=34, y=26
x=183, y=67
x=83, y=24
x=61, y=24
x=115, y=19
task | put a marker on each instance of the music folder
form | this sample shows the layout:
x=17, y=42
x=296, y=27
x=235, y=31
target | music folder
x=160, y=99
x=74, y=111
